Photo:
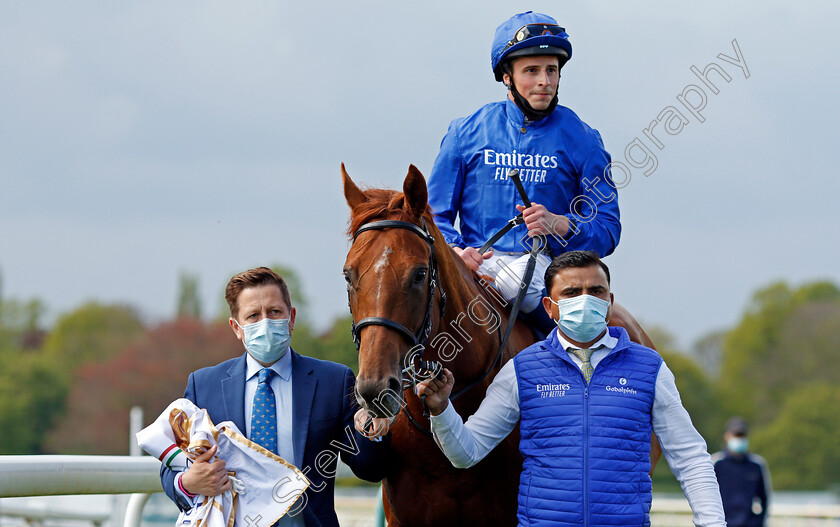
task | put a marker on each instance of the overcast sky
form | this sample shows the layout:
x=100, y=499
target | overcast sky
x=139, y=140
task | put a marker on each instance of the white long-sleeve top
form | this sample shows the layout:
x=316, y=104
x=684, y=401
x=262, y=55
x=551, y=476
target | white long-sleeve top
x=465, y=444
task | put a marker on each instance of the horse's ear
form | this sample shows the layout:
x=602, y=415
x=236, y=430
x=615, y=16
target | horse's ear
x=416, y=193
x=352, y=193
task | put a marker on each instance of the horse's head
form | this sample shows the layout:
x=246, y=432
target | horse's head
x=391, y=273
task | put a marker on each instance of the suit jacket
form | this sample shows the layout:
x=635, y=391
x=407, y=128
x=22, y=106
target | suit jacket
x=322, y=426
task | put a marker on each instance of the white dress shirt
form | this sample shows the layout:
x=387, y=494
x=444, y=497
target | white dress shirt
x=281, y=384
x=465, y=444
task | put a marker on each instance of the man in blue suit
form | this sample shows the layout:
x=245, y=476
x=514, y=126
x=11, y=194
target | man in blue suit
x=298, y=407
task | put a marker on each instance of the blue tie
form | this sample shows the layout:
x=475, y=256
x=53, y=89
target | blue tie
x=264, y=413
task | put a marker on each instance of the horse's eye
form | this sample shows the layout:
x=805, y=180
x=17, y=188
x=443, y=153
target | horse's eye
x=346, y=276
x=420, y=277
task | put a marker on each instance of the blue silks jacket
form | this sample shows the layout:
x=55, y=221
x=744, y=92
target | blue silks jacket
x=562, y=165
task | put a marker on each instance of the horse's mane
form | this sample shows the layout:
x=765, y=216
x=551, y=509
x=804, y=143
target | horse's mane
x=382, y=204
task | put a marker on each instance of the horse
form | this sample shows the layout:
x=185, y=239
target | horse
x=411, y=296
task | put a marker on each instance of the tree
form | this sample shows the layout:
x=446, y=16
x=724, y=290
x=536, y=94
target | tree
x=189, y=304
x=32, y=394
x=92, y=332
x=708, y=351
x=800, y=445
x=335, y=344
x=697, y=393
x=151, y=371
x=787, y=339
x=296, y=291
x=32, y=389
x=20, y=323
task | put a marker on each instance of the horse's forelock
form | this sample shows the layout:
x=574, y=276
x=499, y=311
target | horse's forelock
x=382, y=204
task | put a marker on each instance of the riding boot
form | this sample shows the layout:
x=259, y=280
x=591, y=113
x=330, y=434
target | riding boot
x=539, y=321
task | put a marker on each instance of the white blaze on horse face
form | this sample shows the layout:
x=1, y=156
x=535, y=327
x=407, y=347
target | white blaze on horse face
x=379, y=266
x=383, y=260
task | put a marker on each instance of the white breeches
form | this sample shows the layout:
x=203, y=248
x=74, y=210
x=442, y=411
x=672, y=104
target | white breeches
x=508, y=271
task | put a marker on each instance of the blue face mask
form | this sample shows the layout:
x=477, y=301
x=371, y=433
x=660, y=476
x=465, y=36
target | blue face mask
x=267, y=340
x=737, y=445
x=583, y=317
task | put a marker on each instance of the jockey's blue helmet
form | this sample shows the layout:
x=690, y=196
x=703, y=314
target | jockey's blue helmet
x=525, y=34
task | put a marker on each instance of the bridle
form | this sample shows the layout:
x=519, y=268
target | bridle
x=422, y=334
x=418, y=339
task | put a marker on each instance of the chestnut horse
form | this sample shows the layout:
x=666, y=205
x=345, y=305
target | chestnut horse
x=398, y=272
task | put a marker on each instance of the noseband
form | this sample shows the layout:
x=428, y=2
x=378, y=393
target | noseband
x=422, y=334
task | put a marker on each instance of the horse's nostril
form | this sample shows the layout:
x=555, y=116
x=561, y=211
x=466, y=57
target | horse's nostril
x=394, y=385
x=366, y=390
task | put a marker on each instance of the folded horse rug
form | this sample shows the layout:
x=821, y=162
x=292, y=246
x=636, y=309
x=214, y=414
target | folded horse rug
x=264, y=485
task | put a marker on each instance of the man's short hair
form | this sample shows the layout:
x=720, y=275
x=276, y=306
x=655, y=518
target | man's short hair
x=570, y=260
x=254, y=278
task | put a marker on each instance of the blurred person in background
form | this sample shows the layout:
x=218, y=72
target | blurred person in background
x=743, y=477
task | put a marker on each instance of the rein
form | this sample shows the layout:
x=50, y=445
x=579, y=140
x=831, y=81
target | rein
x=422, y=334
x=526, y=279
x=514, y=312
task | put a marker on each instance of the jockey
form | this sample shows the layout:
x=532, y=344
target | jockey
x=561, y=160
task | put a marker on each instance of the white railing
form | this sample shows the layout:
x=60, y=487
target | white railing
x=677, y=513
x=36, y=517
x=22, y=476
x=58, y=475
x=71, y=475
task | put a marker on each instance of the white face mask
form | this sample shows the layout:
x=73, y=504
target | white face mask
x=737, y=445
x=583, y=317
x=267, y=340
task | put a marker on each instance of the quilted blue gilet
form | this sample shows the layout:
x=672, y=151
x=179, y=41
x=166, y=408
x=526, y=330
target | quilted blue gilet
x=586, y=448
